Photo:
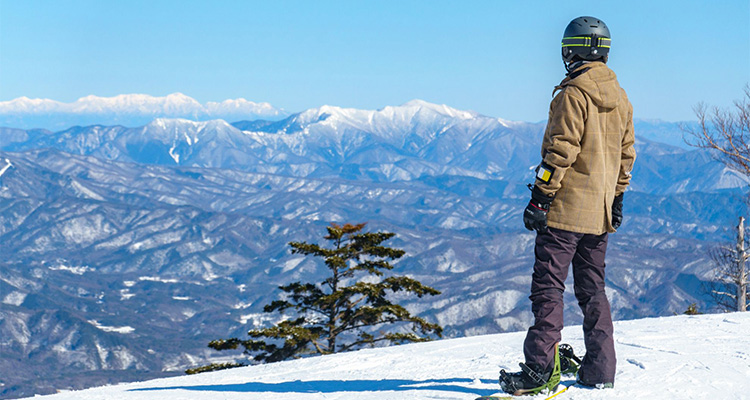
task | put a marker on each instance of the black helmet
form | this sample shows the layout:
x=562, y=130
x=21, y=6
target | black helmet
x=586, y=38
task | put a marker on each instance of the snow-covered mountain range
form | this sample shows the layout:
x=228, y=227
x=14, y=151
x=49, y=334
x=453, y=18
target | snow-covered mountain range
x=416, y=139
x=127, y=110
x=680, y=357
x=389, y=141
x=127, y=249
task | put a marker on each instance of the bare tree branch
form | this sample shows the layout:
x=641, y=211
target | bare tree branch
x=725, y=133
x=725, y=294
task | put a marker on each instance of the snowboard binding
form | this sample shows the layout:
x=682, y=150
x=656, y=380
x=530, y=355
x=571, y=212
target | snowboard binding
x=569, y=362
x=531, y=380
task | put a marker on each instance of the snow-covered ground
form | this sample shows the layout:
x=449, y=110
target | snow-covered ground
x=681, y=357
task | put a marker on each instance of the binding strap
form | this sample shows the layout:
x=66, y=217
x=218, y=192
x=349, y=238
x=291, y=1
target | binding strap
x=536, y=378
x=566, y=350
x=511, y=386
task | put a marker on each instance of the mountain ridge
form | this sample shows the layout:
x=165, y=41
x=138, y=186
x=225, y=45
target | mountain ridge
x=125, y=109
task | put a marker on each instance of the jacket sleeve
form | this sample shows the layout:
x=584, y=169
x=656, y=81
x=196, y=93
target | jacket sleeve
x=562, y=139
x=627, y=159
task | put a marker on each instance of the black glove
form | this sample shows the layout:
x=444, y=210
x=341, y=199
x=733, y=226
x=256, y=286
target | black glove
x=535, y=214
x=617, y=211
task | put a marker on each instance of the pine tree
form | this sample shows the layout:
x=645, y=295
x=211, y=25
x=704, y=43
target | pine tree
x=692, y=310
x=341, y=312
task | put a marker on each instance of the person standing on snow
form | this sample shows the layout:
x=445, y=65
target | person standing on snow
x=576, y=201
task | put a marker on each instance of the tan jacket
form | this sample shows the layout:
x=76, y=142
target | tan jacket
x=588, y=146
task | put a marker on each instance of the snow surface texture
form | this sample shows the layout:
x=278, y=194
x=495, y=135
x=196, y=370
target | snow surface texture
x=681, y=357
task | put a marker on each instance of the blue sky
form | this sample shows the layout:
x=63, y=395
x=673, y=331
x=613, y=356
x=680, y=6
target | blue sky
x=500, y=58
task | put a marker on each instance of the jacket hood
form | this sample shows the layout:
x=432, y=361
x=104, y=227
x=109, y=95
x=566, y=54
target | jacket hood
x=597, y=81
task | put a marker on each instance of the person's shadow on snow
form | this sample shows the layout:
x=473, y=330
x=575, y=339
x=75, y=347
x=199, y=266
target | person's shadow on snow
x=448, y=385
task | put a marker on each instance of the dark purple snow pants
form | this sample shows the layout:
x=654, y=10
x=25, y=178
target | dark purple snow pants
x=554, y=251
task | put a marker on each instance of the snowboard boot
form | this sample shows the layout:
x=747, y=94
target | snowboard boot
x=606, y=385
x=569, y=362
x=581, y=381
x=531, y=379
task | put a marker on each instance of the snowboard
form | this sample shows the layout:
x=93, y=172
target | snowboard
x=505, y=396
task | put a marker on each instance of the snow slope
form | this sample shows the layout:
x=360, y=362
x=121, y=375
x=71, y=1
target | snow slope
x=680, y=357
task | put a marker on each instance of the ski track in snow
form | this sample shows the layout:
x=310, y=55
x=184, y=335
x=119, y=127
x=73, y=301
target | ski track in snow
x=681, y=357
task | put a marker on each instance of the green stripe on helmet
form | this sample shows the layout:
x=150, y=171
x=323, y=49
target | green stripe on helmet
x=586, y=41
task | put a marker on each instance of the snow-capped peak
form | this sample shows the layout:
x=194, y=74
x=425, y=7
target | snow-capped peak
x=26, y=105
x=440, y=109
x=404, y=112
x=174, y=103
x=176, y=132
x=331, y=113
x=165, y=123
x=242, y=105
x=186, y=124
x=392, y=123
x=128, y=109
